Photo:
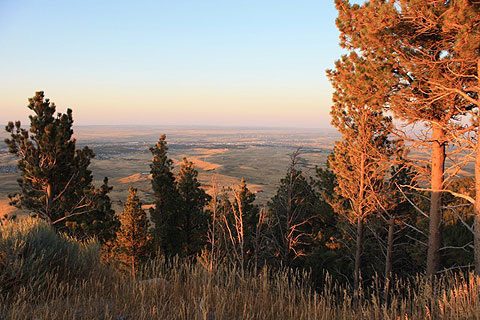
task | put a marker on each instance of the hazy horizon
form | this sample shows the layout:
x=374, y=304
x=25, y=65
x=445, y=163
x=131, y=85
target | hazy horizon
x=205, y=126
x=26, y=122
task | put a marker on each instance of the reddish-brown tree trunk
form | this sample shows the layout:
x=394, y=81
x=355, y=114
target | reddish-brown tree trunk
x=437, y=179
x=48, y=203
x=358, y=254
x=132, y=262
x=388, y=258
x=358, y=251
x=476, y=221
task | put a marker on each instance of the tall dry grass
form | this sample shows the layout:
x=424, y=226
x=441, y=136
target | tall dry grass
x=32, y=254
x=183, y=290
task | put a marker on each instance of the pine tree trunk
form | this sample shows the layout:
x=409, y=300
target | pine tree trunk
x=476, y=221
x=48, y=203
x=358, y=251
x=132, y=262
x=358, y=254
x=189, y=230
x=437, y=179
x=388, y=258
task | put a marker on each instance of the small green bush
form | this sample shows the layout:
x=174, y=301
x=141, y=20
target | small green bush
x=33, y=255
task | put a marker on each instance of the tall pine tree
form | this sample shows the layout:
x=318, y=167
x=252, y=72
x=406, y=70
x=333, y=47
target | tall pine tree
x=55, y=181
x=193, y=214
x=244, y=203
x=432, y=49
x=361, y=158
x=241, y=221
x=133, y=238
x=165, y=213
x=292, y=211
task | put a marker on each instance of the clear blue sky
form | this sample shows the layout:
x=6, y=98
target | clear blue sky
x=258, y=63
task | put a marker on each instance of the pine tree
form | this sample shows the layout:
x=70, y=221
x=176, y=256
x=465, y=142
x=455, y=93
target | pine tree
x=101, y=222
x=244, y=203
x=361, y=158
x=193, y=215
x=458, y=212
x=431, y=48
x=241, y=221
x=329, y=250
x=55, y=181
x=395, y=217
x=133, y=239
x=165, y=214
x=293, y=211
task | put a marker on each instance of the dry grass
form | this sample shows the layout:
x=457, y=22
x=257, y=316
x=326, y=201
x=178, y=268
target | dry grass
x=34, y=256
x=187, y=291
x=197, y=162
x=135, y=178
x=53, y=277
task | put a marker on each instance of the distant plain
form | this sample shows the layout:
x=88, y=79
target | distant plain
x=221, y=155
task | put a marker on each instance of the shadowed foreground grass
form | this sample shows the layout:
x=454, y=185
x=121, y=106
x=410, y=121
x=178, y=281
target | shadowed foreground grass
x=183, y=290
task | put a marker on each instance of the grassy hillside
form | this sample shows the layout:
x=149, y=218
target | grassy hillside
x=183, y=290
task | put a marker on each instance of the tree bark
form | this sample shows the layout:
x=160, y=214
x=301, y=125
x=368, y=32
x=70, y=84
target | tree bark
x=476, y=221
x=437, y=180
x=132, y=262
x=388, y=258
x=358, y=254
x=360, y=212
x=49, y=203
x=189, y=229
